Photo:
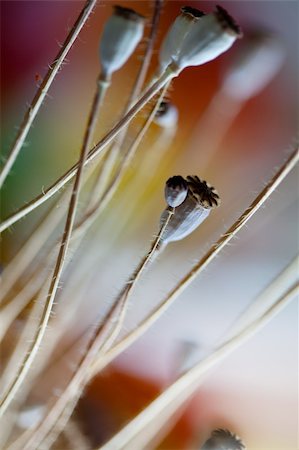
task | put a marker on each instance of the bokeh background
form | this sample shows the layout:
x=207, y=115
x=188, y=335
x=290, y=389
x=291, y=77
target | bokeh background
x=254, y=391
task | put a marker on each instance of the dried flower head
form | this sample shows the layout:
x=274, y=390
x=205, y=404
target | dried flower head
x=176, y=34
x=255, y=64
x=206, y=194
x=176, y=189
x=122, y=32
x=223, y=440
x=167, y=115
x=196, y=207
x=212, y=35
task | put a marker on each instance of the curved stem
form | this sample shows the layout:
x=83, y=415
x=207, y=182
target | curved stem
x=94, y=152
x=44, y=88
x=27, y=363
x=106, y=170
x=97, y=208
x=123, y=298
x=200, y=266
x=164, y=406
x=103, y=338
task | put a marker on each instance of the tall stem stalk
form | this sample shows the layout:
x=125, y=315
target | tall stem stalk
x=94, y=152
x=41, y=329
x=44, y=88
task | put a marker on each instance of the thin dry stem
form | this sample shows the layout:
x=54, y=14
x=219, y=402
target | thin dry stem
x=200, y=266
x=102, y=339
x=22, y=346
x=30, y=249
x=75, y=436
x=98, y=207
x=281, y=282
x=16, y=309
x=127, y=291
x=11, y=311
x=220, y=115
x=105, y=171
x=139, y=432
x=44, y=88
x=42, y=325
x=94, y=152
x=131, y=337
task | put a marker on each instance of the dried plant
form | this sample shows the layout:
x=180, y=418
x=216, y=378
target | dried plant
x=37, y=276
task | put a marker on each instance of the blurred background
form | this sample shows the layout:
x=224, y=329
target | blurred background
x=236, y=147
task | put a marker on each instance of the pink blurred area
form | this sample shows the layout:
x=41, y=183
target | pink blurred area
x=254, y=390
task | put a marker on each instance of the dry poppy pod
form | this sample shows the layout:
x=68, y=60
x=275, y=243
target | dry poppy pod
x=209, y=37
x=201, y=198
x=176, y=189
x=223, y=440
x=122, y=32
x=255, y=64
x=176, y=34
x=167, y=115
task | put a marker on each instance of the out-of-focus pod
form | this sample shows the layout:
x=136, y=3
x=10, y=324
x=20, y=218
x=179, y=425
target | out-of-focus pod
x=192, y=41
x=257, y=61
x=167, y=115
x=122, y=33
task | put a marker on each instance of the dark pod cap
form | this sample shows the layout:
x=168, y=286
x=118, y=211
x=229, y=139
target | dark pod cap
x=223, y=440
x=176, y=189
x=205, y=194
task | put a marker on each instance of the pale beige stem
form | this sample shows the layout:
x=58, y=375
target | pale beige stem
x=106, y=171
x=102, y=339
x=75, y=436
x=152, y=317
x=281, y=282
x=42, y=325
x=92, y=213
x=44, y=88
x=23, y=344
x=11, y=311
x=129, y=339
x=94, y=152
x=31, y=248
x=200, y=266
x=82, y=226
x=139, y=432
x=127, y=291
x=211, y=129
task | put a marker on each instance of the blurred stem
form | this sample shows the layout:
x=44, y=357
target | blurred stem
x=105, y=171
x=139, y=432
x=201, y=265
x=212, y=127
x=92, y=213
x=92, y=363
x=103, y=337
x=123, y=298
x=42, y=325
x=47, y=226
x=44, y=88
x=94, y=152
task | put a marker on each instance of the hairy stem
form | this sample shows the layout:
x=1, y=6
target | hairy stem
x=94, y=152
x=44, y=88
x=106, y=170
x=200, y=266
x=98, y=207
x=28, y=360
x=155, y=415
x=103, y=337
